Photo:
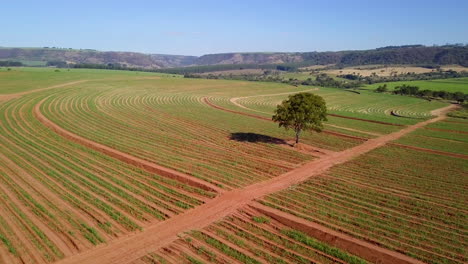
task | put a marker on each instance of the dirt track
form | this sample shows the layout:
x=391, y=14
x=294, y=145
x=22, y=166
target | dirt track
x=133, y=247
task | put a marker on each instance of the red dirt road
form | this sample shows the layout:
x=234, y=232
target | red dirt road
x=137, y=245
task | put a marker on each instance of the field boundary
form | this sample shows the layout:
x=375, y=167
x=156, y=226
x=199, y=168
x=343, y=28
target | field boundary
x=443, y=153
x=135, y=161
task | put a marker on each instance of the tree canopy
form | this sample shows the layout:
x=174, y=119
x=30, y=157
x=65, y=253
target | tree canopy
x=302, y=111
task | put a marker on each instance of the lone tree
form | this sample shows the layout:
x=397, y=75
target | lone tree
x=302, y=111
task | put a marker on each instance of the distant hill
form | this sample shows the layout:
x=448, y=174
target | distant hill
x=130, y=59
x=410, y=54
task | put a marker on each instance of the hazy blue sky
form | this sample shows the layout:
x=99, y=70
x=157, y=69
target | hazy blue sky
x=201, y=27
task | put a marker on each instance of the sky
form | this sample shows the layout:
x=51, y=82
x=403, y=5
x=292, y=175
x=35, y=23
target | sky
x=203, y=27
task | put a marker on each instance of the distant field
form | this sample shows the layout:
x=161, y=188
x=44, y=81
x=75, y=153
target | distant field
x=234, y=72
x=24, y=79
x=388, y=71
x=449, y=85
x=367, y=104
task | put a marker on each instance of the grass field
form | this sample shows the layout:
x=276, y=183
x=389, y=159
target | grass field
x=25, y=79
x=448, y=85
x=60, y=196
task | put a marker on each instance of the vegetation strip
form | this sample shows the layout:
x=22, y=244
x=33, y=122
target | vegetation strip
x=456, y=155
x=355, y=246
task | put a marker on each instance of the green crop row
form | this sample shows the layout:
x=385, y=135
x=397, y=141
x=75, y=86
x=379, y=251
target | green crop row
x=404, y=208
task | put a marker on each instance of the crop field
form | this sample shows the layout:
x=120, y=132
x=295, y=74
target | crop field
x=448, y=85
x=26, y=79
x=61, y=198
x=366, y=105
x=440, y=136
x=408, y=208
x=249, y=237
x=91, y=158
x=149, y=125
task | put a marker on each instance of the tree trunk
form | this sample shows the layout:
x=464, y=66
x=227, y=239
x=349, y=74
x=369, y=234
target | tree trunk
x=297, y=136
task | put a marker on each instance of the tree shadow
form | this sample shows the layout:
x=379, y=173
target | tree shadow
x=253, y=137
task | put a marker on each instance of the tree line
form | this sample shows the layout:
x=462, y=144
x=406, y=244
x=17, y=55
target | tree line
x=374, y=78
x=412, y=90
x=11, y=64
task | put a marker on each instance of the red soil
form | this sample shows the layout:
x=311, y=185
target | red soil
x=133, y=247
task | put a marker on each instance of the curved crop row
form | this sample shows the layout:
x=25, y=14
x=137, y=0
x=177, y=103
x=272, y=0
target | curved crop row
x=61, y=198
x=364, y=103
x=157, y=128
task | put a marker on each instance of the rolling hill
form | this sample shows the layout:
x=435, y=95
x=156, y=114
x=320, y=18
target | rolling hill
x=409, y=54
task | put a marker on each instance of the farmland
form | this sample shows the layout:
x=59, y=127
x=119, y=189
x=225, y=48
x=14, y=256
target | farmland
x=96, y=157
x=440, y=136
x=63, y=198
x=249, y=237
x=365, y=104
x=448, y=85
x=25, y=79
x=407, y=208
